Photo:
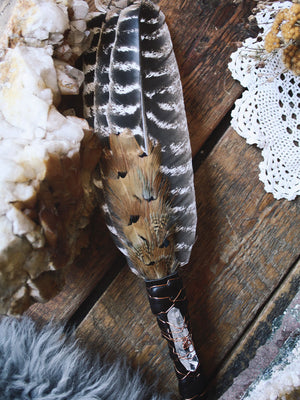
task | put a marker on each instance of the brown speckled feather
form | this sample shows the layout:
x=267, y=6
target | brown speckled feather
x=137, y=93
x=137, y=195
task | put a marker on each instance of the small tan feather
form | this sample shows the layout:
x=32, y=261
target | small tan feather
x=137, y=195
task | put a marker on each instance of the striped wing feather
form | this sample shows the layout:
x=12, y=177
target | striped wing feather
x=138, y=94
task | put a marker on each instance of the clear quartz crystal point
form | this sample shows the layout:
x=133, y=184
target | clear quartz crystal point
x=182, y=340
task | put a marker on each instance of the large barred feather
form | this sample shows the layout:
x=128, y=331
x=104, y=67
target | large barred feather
x=138, y=104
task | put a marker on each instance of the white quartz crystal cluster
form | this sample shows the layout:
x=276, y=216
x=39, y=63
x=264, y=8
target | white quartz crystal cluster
x=46, y=195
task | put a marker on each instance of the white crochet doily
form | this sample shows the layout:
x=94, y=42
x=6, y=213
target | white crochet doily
x=268, y=114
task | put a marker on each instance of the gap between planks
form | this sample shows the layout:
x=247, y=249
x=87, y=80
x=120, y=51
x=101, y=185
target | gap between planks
x=256, y=333
x=84, y=308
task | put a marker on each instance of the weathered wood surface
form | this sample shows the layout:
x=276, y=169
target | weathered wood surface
x=82, y=277
x=258, y=333
x=247, y=242
x=204, y=35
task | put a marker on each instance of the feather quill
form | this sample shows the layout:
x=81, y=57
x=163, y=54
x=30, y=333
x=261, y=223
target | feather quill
x=146, y=171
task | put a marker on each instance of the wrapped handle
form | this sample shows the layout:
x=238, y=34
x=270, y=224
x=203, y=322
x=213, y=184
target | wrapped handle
x=169, y=304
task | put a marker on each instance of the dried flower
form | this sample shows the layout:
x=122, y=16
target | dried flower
x=285, y=33
x=291, y=58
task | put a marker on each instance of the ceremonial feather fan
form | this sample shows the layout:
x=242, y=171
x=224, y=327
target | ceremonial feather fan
x=133, y=98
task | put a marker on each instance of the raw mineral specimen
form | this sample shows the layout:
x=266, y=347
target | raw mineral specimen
x=46, y=158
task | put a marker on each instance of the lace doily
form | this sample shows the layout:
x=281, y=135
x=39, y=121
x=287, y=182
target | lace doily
x=268, y=114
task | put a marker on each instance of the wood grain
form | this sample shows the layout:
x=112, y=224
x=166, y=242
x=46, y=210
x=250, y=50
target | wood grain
x=121, y=326
x=204, y=34
x=82, y=277
x=247, y=241
x=256, y=336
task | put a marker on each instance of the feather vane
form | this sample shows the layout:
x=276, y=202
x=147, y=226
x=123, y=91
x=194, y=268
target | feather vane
x=138, y=94
x=137, y=196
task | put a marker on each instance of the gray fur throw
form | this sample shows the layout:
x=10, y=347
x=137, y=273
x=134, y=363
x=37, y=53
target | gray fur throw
x=45, y=365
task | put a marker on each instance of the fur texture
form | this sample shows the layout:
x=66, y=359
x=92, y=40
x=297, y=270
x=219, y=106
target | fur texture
x=45, y=365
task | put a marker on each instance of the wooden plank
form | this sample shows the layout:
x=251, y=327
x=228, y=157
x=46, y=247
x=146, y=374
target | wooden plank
x=204, y=35
x=82, y=276
x=121, y=326
x=256, y=337
x=203, y=38
x=246, y=243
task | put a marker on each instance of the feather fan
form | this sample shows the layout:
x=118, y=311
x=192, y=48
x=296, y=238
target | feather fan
x=133, y=98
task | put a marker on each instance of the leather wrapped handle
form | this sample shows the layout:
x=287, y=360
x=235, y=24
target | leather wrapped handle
x=169, y=304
